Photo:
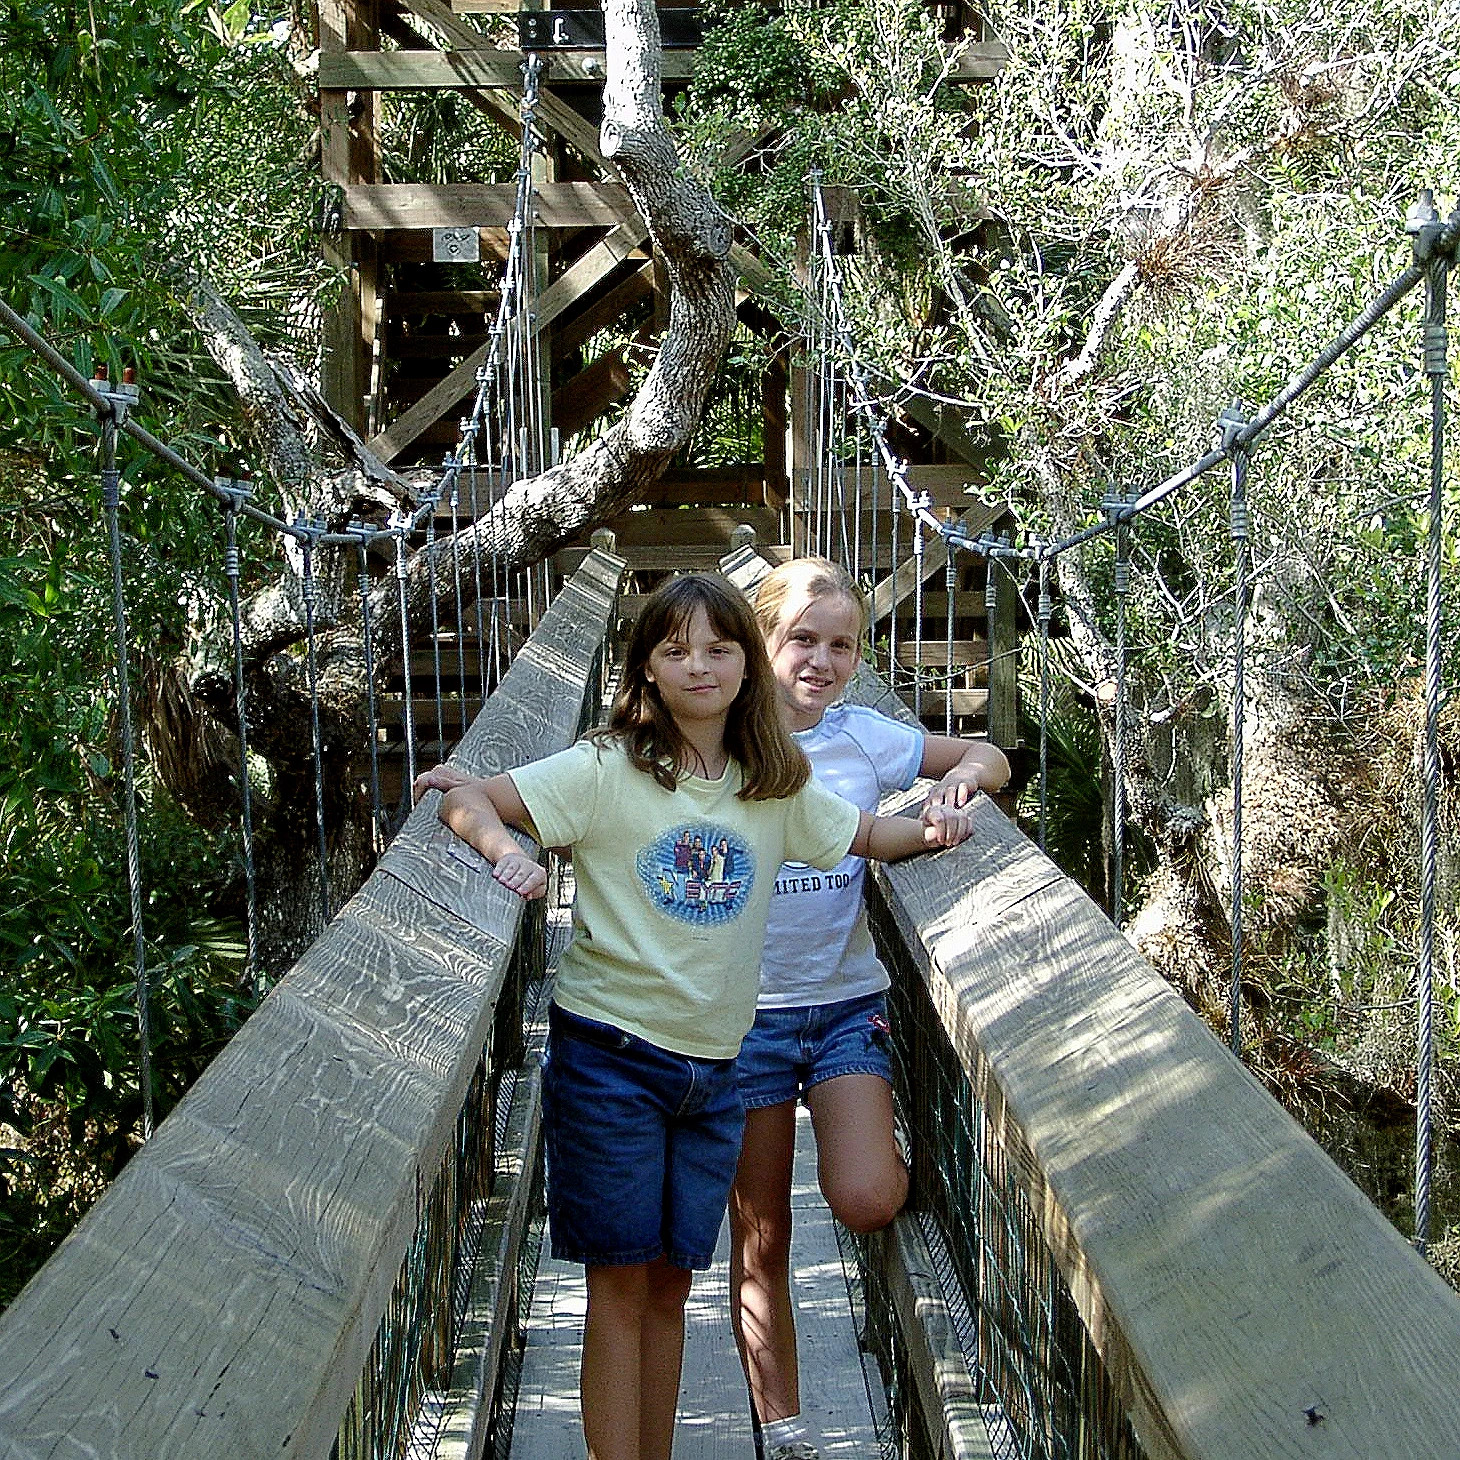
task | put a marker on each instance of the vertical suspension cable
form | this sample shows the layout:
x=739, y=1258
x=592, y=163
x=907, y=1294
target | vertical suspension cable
x=309, y=533
x=1435, y=367
x=429, y=502
x=892, y=513
x=1044, y=620
x=950, y=582
x=455, y=502
x=483, y=384
x=400, y=522
x=918, y=617
x=120, y=400
x=362, y=583
x=237, y=493
x=1117, y=812
x=1231, y=422
x=840, y=475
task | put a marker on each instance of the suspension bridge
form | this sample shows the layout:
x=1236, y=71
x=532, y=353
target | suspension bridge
x=1118, y=1244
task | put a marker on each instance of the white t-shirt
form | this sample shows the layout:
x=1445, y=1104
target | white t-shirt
x=672, y=890
x=818, y=949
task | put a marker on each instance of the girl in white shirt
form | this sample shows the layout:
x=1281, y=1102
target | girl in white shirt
x=821, y=1031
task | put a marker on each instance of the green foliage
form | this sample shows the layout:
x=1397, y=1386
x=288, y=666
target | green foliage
x=139, y=147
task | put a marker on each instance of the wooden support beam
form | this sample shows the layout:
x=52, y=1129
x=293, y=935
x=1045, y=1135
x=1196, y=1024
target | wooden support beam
x=585, y=397
x=431, y=407
x=948, y=1396
x=1245, y=1298
x=416, y=302
x=578, y=328
x=223, y=1296
x=483, y=205
x=898, y=587
x=430, y=70
x=595, y=265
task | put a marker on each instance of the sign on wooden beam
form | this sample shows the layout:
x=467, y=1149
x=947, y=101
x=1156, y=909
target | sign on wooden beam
x=582, y=30
x=456, y=246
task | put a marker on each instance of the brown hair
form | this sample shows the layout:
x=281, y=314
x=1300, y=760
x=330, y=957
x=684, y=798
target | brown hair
x=816, y=578
x=772, y=763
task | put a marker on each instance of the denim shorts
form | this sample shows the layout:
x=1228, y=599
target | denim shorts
x=789, y=1051
x=641, y=1146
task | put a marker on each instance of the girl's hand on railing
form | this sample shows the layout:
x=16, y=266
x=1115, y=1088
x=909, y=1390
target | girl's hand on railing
x=519, y=873
x=440, y=778
x=944, y=825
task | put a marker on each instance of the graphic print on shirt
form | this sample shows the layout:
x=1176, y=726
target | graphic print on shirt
x=698, y=873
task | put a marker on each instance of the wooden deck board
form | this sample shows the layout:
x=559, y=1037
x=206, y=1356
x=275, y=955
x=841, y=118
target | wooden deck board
x=714, y=1418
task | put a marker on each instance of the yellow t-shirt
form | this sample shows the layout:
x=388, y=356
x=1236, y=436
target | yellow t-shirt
x=674, y=888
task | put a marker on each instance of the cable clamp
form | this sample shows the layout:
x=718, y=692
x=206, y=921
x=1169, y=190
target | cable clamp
x=1422, y=223
x=1240, y=519
x=1231, y=424
x=120, y=398
x=400, y=524
x=235, y=491
x=1437, y=347
x=111, y=488
x=1122, y=576
x=307, y=530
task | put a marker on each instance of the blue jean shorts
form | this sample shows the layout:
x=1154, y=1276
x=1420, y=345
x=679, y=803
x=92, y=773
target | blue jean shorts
x=641, y=1146
x=790, y=1051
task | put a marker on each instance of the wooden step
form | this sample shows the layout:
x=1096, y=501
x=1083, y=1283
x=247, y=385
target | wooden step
x=967, y=703
x=703, y=558
x=936, y=651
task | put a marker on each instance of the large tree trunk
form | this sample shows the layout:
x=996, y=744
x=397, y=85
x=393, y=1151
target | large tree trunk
x=293, y=429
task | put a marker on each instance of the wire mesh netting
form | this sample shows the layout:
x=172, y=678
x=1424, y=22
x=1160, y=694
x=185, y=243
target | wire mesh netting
x=1043, y=1391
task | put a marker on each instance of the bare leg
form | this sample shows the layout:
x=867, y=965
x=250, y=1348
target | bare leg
x=661, y=1357
x=760, y=1261
x=862, y=1175
x=609, y=1383
x=633, y=1345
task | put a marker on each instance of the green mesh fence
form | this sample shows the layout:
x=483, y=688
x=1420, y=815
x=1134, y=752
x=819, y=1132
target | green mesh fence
x=1042, y=1388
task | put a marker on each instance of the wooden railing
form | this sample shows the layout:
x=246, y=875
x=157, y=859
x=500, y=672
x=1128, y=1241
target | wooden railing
x=1103, y=1193
x=225, y=1296
x=1244, y=1297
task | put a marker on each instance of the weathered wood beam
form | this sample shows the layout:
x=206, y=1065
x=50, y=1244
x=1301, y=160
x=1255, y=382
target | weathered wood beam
x=430, y=70
x=897, y=588
x=601, y=259
x=411, y=302
x=581, y=400
x=441, y=398
x=482, y=205
x=575, y=329
x=595, y=265
x=1244, y=1296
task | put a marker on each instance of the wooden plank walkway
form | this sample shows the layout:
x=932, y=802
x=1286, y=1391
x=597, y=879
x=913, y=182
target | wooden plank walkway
x=714, y=1416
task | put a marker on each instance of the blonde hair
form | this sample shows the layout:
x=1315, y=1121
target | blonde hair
x=808, y=578
x=770, y=761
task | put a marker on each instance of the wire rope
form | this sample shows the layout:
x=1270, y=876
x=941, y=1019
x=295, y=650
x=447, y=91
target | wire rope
x=1117, y=780
x=311, y=531
x=1231, y=422
x=1044, y=615
x=362, y=582
x=1435, y=368
x=238, y=493
x=116, y=402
